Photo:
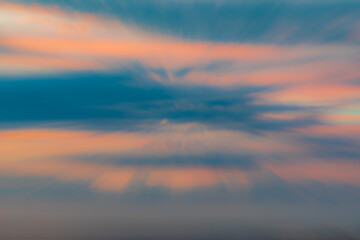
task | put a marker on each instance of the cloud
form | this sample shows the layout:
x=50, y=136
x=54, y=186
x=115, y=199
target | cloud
x=182, y=159
x=43, y=39
x=195, y=146
x=309, y=95
x=175, y=157
x=179, y=113
x=286, y=22
x=54, y=39
x=129, y=100
x=341, y=172
x=288, y=74
x=179, y=179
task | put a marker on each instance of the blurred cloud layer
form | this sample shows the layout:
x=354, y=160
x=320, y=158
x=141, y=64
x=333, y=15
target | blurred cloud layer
x=179, y=119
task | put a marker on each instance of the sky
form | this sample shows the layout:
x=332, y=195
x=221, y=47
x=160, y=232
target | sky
x=179, y=119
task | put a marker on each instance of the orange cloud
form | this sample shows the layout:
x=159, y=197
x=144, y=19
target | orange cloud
x=341, y=118
x=180, y=179
x=45, y=153
x=9, y=63
x=30, y=144
x=143, y=50
x=107, y=178
x=100, y=177
x=313, y=72
x=284, y=116
x=157, y=53
x=352, y=131
x=316, y=95
x=77, y=37
x=37, y=144
x=326, y=172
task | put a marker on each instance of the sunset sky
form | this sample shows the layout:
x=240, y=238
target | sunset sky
x=179, y=119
